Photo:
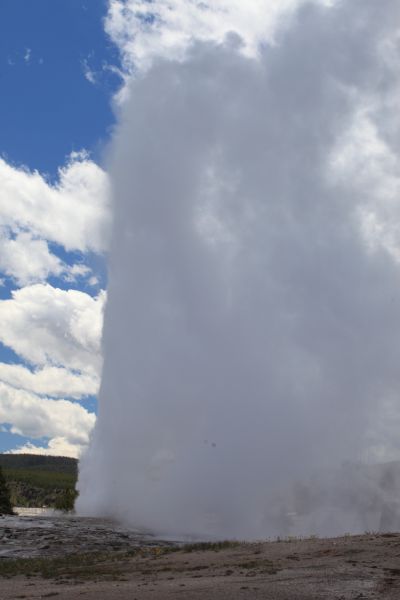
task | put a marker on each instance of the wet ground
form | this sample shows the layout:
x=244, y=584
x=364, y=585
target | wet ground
x=40, y=533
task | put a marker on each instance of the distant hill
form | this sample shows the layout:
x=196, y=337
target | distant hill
x=43, y=463
x=36, y=481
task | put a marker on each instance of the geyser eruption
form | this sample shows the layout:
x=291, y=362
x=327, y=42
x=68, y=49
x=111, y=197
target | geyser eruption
x=251, y=339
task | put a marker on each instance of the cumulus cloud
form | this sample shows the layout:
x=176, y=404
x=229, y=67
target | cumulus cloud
x=52, y=327
x=36, y=417
x=58, y=446
x=57, y=382
x=146, y=30
x=73, y=212
x=42, y=222
x=27, y=259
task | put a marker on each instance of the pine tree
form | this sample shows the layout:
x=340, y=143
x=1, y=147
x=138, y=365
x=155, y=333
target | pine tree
x=5, y=501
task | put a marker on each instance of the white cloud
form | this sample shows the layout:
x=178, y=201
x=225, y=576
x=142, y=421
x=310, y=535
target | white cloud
x=89, y=74
x=93, y=281
x=58, y=332
x=73, y=212
x=51, y=381
x=52, y=327
x=27, y=55
x=35, y=417
x=146, y=30
x=27, y=259
x=76, y=271
x=58, y=446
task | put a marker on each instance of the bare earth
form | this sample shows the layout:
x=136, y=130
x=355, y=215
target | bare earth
x=75, y=558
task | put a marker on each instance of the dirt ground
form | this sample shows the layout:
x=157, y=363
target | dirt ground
x=75, y=559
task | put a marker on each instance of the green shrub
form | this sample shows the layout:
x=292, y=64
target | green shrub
x=66, y=500
x=5, y=502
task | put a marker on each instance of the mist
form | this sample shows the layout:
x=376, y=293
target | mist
x=251, y=339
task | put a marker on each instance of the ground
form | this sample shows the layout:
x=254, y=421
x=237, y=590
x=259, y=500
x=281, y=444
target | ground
x=72, y=558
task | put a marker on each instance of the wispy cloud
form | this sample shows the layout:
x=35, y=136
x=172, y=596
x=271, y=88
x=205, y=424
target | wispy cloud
x=27, y=55
x=89, y=73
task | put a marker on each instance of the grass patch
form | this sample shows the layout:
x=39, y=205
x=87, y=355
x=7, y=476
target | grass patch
x=80, y=566
x=265, y=566
x=95, y=565
x=214, y=546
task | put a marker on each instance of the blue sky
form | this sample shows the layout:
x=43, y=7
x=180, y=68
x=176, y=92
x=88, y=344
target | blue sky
x=48, y=107
x=57, y=83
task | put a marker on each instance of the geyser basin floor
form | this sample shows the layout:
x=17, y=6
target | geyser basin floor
x=346, y=568
x=54, y=537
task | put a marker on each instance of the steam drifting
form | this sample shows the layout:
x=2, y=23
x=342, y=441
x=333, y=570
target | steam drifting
x=251, y=340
